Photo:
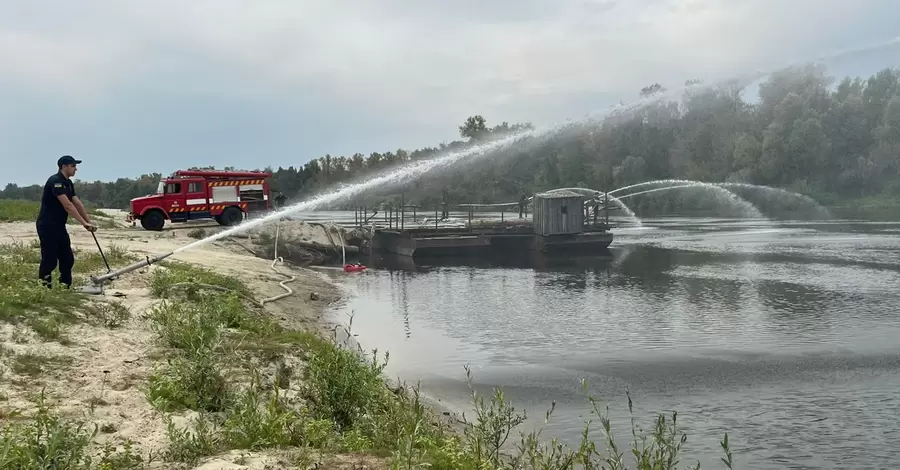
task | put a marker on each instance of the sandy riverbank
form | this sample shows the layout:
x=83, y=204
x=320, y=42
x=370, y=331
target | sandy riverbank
x=99, y=375
x=107, y=369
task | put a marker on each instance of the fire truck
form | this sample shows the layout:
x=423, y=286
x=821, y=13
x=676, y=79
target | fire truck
x=226, y=196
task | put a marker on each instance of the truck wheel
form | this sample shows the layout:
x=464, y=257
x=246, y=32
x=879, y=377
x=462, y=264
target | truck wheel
x=232, y=216
x=219, y=220
x=153, y=220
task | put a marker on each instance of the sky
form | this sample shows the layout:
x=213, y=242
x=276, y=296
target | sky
x=136, y=86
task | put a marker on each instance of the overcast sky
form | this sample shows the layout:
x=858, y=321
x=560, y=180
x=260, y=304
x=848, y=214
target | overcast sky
x=134, y=86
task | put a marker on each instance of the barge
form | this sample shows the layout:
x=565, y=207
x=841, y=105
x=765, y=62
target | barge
x=561, y=222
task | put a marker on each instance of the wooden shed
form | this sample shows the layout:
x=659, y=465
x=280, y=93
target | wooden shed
x=558, y=213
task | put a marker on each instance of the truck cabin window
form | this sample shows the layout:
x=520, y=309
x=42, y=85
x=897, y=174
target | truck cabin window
x=195, y=187
x=173, y=188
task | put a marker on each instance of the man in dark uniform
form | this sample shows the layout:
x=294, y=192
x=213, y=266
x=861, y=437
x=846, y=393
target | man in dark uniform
x=57, y=203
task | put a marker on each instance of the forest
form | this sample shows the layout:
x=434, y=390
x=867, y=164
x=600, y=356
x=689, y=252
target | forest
x=807, y=132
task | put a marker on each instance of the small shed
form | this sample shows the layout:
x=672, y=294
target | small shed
x=558, y=213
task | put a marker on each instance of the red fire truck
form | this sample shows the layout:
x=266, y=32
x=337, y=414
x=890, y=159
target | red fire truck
x=226, y=196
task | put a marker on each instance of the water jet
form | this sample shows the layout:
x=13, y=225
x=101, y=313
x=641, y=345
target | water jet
x=418, y=168
x=674, y=183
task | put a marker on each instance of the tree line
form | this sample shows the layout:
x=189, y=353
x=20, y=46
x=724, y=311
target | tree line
x=807, y=133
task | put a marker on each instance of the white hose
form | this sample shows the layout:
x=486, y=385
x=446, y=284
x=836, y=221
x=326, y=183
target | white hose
x=278, y=259
x=343, y=249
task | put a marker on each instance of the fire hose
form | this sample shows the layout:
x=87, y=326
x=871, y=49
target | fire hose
x=96, y=286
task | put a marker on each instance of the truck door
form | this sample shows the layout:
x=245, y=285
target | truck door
x=195, y=199
x=175, y=200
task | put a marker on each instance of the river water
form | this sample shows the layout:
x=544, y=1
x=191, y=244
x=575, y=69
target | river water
x=784, y=334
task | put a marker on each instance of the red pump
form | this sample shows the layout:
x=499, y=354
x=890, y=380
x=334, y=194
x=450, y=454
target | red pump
x=353, y=268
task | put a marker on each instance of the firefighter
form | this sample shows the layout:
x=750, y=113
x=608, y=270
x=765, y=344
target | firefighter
x=57, y=203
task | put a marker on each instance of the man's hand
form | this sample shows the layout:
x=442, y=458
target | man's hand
x=89, y=227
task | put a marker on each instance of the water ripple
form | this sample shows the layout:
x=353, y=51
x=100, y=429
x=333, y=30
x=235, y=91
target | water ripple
x=783, y=335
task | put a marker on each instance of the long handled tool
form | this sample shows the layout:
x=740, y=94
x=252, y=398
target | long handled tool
x=96, y=285
x=108, y=269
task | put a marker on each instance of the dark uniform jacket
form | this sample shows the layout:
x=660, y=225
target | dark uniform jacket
x=53, y=214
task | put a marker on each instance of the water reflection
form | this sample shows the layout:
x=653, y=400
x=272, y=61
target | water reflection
x=763, y=330
x=528, y=260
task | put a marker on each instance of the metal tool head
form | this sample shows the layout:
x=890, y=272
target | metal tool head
x=90, y=289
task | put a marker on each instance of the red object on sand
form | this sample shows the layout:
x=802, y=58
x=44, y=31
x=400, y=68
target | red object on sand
x=352, y=268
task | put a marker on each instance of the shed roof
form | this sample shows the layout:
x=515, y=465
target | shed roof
x=561, y=194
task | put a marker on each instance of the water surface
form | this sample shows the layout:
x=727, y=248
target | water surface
x=784, y=334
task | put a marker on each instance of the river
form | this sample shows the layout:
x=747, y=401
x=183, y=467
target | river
x=783, y=334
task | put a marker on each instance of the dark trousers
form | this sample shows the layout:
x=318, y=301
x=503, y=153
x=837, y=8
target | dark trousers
x=56, y=249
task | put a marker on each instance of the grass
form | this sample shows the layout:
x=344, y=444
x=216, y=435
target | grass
x=17, y=210
x=23, y=299
x=34, y=365
x=46, y=441
x=162, y=283
x=197, y=233
x=340, y=402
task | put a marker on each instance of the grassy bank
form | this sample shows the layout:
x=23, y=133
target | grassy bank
x=24, y=300
x=41, y=439
x=231, y=381
x=16, y=210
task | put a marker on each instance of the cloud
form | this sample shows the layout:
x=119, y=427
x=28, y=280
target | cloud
x=387, y=74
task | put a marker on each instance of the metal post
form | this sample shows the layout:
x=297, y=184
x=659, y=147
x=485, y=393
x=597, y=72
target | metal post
x=402, y=211
x=435, y=217
x=470, y=218
x=607, y=209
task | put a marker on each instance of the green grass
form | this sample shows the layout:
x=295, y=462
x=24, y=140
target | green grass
x=344, y=404
x=17, y=210
x=47, y=441
x=23, y=299
x=176, y=272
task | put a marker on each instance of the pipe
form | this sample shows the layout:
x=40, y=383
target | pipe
x=99, y=280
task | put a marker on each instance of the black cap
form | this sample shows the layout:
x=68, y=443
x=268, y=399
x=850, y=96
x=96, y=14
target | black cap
x=67, y=160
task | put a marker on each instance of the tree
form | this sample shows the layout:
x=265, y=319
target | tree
x=475, y=128
x=801, y=134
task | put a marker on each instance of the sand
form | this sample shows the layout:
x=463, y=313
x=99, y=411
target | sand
x=109, y=366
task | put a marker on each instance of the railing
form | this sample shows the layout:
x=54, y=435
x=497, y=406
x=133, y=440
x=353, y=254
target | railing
x=405, y=216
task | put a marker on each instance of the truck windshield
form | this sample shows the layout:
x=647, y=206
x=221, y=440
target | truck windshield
x=161, y=188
